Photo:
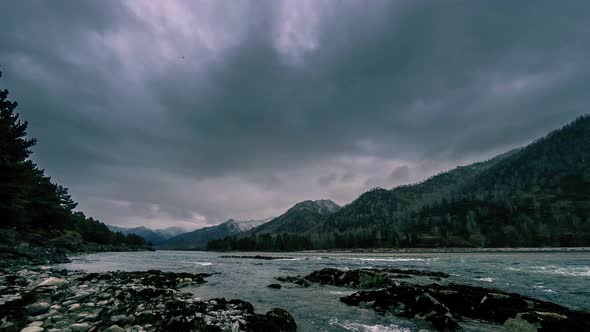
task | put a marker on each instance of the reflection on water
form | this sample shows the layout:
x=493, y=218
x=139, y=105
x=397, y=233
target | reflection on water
x=558, y=277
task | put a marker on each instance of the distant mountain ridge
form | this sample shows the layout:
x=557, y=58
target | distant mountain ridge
x=300, y=217
x=538, y=195
x=199, y=238
x=154, y=236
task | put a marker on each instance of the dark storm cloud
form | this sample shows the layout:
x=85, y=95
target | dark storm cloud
x=196, y=112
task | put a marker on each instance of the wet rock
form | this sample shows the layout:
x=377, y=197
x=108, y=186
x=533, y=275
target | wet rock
x=53, y=281
x=274, y=286
x=32, y=329
x=148, y=300
x=74, y=307
x=444, y=305
x=295, y=280
x=519, y=325
x=80, y=327
x=275, y=320
x=8, y=327
x=120, y=319
x=115, y=328
x=37, y=308
x=359, y=278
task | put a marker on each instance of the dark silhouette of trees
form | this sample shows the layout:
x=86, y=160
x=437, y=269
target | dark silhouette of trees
x=30, y=202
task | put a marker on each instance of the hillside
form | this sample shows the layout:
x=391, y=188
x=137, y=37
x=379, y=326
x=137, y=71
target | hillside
x=153, y=236
x=299, y=218
x=198, y=239
x=538, y=195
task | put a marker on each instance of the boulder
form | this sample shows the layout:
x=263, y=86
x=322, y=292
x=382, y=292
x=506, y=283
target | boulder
x=274, y=286
x=274, y=320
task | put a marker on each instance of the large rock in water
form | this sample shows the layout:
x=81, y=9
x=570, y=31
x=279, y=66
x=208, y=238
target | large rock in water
x=275, y=320
x=444, y=305
x=360, y=278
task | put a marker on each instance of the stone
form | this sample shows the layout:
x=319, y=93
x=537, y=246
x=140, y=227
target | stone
x=37, y=323
x=80, y=327
x=115, y=328
x=32, y=329
x=274, y=286
x=8, y=327
x=119, y=319
x=53, y=281
x=519, y=325
x=37, y=308
x=74, y=307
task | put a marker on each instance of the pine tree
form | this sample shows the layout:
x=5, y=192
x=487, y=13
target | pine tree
x=15, y=168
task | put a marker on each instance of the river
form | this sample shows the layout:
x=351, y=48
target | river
x=560, y=277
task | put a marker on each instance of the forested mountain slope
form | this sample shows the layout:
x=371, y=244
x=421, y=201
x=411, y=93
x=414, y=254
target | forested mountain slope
x=534, y=196
x=198, y=239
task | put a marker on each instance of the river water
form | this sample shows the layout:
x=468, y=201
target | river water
x=560, y=277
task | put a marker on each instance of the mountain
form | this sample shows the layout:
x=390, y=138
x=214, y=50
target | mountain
x=300, y=217
x=198, y=239
x=538, y=195
x=154, y=236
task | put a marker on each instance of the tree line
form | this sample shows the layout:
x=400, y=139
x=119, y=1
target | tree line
x=32, y=206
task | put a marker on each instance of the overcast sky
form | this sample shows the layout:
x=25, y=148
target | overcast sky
x=188, y=113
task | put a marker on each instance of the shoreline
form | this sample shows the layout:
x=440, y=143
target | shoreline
x=45, y=298
x=406, y=250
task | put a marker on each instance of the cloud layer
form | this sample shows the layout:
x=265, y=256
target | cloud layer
x=189, y=113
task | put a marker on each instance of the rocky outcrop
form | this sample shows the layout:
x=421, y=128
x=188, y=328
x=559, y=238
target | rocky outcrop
x=443, y=306
x=37, y=299
x=360, y=278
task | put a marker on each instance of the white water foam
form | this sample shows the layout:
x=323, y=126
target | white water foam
x=577, y=271
x=358, y=327
x=203, y=263
x=389, y=259
x=486, y=279
x=542, y=288
x=344, y=293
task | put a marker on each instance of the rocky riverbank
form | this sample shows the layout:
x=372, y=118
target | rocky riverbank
x=27, y=255
x=444, y=306
x=38, y=299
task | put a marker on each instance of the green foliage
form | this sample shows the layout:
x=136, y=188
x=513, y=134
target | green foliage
x=30, y=202
x=284, y=242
